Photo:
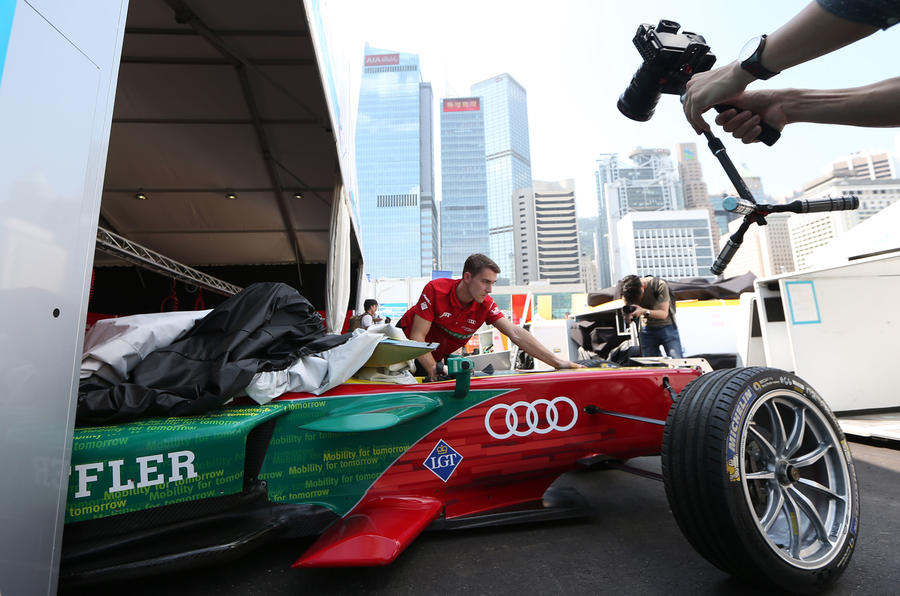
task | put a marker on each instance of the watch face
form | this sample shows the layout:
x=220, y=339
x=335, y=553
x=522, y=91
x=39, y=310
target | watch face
x=749, y=48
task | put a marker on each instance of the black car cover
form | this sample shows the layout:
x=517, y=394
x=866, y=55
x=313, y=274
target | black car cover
x=695, y=288
x=265, y=327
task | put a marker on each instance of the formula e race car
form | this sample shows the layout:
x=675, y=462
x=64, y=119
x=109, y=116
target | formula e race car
x=756, y=469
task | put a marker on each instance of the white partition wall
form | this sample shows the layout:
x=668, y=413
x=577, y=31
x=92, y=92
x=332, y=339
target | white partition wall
x=57, y=87
x=841, y=331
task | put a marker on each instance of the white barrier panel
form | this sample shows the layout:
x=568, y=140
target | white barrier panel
x=708, y=326
x=842, y=331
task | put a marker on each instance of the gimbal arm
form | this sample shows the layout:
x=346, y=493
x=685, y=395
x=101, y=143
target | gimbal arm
x=755, y=212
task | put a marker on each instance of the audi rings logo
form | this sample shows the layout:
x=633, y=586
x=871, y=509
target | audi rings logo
x=554, y=411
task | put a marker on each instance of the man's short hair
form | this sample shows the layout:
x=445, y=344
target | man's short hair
x=475, y=263
x=369, y=303
x=631, y=288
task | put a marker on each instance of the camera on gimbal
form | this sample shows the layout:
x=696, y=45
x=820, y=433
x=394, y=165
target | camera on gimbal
x=670, y=59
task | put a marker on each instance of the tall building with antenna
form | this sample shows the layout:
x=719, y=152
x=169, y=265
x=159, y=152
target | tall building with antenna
x=648, y=183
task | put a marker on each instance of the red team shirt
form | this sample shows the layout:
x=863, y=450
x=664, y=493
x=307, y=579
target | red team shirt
x=452, y=324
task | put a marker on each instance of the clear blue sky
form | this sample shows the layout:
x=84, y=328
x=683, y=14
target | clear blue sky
x=575, y=57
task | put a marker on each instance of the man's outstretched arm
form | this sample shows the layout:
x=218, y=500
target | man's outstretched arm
x=419, y=331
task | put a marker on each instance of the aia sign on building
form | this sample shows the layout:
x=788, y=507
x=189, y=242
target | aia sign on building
x=462, y=104
x=382, y=59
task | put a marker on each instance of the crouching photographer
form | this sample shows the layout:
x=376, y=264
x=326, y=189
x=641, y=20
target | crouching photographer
x=649, y=299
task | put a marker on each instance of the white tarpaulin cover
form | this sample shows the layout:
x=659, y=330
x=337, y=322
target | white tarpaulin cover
x=113, y=347
x=317, y=373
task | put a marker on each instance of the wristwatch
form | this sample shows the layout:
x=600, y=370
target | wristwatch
x=750, y=57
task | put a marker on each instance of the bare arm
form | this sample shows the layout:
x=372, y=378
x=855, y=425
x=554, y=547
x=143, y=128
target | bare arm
x=877, y=104
x=813, y=32
x=532, y=346
x=659, y=311
x=420, y=328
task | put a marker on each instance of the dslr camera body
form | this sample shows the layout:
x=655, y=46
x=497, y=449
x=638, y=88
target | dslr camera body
x=670, y=60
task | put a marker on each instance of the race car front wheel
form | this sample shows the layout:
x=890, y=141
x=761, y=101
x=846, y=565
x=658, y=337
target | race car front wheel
x=760, y=478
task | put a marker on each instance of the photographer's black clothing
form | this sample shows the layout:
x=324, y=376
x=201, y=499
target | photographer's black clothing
x=878, y=13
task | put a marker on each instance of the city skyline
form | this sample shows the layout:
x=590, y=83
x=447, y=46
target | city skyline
x=583, y=60
x=502, y=108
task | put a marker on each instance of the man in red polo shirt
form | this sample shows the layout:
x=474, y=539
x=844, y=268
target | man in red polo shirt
x=449, y=311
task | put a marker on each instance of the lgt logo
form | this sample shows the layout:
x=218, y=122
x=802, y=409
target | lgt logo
x=443, y=460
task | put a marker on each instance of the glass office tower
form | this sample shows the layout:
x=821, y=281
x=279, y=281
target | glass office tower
x=395, y=167
x=464, y=213
x=508, y=156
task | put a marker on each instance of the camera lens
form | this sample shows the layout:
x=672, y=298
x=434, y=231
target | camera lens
x=640, y=98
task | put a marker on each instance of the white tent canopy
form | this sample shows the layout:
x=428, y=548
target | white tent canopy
x=222, y=150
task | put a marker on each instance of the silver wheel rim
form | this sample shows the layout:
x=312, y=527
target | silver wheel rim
x=796, y=479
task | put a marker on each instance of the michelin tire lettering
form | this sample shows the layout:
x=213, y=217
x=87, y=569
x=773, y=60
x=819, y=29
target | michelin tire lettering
x=732, y=456
x=532, y=417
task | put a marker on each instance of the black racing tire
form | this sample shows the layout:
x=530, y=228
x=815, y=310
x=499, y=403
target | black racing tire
x=760, y=479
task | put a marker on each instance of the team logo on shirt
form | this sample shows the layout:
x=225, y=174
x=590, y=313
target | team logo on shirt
x=444, y=314
x=470, y=321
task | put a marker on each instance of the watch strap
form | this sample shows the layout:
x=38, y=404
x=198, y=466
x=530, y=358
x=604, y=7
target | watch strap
x=753, y=64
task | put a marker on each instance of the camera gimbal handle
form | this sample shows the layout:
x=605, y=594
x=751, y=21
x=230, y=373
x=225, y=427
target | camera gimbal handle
x=769, y=134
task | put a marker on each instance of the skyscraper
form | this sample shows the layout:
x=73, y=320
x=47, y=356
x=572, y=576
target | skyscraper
x=721, y=217
x=867, y=165
x=766, y=250
x=464, y=212
x=814, y=230
x=671, y=244
x=809, y=232
x=607, y=171
x=754, y=185
x=696, y=195
x=508, y=157
x=546, y=233
x=394, y=156
x=649, y=183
